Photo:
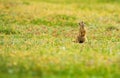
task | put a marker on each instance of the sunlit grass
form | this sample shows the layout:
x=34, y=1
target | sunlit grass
x=37, y=39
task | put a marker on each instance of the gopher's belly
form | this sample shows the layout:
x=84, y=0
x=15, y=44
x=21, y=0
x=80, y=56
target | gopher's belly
x=81, y=39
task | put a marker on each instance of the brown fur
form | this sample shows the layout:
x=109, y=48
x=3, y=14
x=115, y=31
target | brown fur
x=81, y=38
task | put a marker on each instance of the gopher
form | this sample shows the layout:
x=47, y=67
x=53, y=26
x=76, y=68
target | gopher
x=81, y=38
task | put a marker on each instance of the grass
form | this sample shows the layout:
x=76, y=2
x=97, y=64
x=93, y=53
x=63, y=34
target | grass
x=36, y=39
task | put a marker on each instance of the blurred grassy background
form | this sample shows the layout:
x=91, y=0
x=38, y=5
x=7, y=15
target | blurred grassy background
x=36, y=39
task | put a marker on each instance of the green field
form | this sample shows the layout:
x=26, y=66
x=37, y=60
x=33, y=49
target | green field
x=36, y=39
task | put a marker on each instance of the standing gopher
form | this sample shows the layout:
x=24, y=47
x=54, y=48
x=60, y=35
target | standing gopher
x=81, y=38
